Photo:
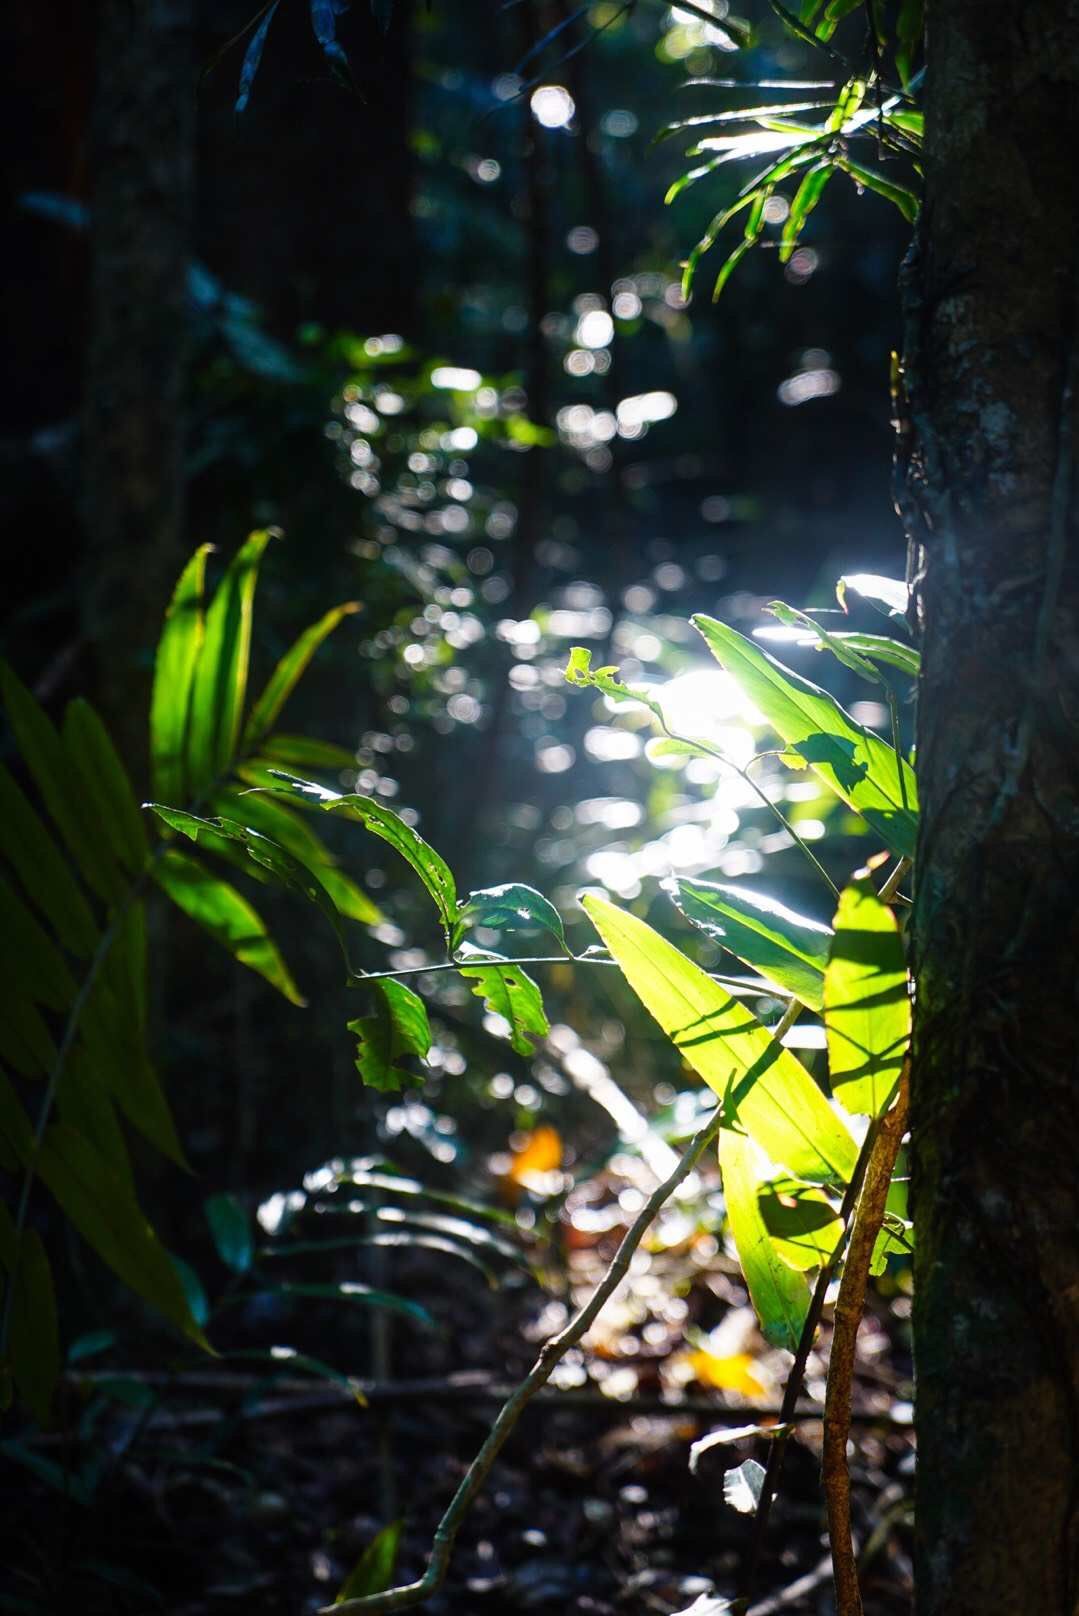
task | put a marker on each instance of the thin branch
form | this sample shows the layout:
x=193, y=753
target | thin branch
x=738, y=984
x=415, y=1593
x=849, y=1307
x=793, y=1388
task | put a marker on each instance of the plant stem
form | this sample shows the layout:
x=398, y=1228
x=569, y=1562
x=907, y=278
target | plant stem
x=793, y=1388
x=414, y=1593
x=849, y=1307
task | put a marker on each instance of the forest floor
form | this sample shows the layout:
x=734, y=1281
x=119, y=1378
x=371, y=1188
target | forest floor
x=214, y=1489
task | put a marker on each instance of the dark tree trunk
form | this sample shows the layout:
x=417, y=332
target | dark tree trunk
x=989, y=495
x=143, y=172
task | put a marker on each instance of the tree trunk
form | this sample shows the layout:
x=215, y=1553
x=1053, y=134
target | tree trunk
x=992, y=366
x=143, y=161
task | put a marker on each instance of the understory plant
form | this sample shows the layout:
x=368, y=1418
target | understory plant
x=807, y=1167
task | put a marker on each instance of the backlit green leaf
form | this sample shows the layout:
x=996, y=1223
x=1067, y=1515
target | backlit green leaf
x=34, y=967
x=805, y=200
x=174, y=671
x=764, y=1088
x=227, y=916
x=398, y=1027
x=857, y=765
x=270, y=815
x=780, y=1296
x=866, y=1003
x=508, y=992
x=266, y=853
x=802, y=1222
x=431, y=868
x=220, y=682
x=510, y=907
x=289, y=670
x=787, y=948
x=888, y=594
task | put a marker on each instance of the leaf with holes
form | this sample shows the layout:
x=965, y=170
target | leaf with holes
x=398, y=1027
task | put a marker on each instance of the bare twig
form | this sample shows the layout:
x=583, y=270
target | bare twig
x=792, y=1390
x=414, y=1593
x=848, y=1314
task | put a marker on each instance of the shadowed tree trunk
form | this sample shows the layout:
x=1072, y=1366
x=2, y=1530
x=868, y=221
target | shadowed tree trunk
x=143, y=173
x=989, y=498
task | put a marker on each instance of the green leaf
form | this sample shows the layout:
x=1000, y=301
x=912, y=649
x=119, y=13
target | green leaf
x=40, y=867
x=84, y=1101
x=33, y=965
x=780, y=1296
x=900, y=196
x=302, y=752
x=286, y=675
x=34, y=1336
x=840, y=648
x=174, y=672
x=510, y=907
x=374, y=1571
x=267, y=854
x=47, y=761
x=801, y=1222
x=102, y=1210
x=508, y=992
x=878, y=648
x=431, y=868
x=729, y=268
x=107, y=786
x=805, y=200
x=227, y=916
x=220, y=681
x=866, y=1002
x=269, y=814
x=579, y=671
x=888, y=594
x=763, y=1087
x=231, y=1230
x=194, y=1291
x=398, y=1027
x=864, y=771
x=362, y=1296
x=25, y=1041
x=834, y=13
x=909, y=27
x=787, y=948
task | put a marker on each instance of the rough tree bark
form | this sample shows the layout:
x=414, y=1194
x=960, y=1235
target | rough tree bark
x=143, y=174
x=992, y=366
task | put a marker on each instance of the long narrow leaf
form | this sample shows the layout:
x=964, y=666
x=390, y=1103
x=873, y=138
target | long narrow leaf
x=764, y=1088
x=857, y=765
x=220, y=683
x=787, y=948
x=289, y=670
x=227, y=916
x=40, y=866
x=779, y=1295
x=45, y=757
x=866, y=1002
x=89, y=746
x=174, y=672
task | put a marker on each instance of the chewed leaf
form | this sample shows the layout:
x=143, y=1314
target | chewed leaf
x=430, y=866
x=510, y=907
x=579, y=671
x=508, y=992
x=398, y=1027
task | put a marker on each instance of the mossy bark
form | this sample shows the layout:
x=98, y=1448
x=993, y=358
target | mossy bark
x=988, y=492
